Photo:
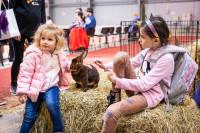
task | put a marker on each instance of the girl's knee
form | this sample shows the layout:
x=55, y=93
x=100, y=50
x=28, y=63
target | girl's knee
x=29, y=119
x=120, y=57
x=112, y=113
x=29, y=115
x=52, y=106
x=121, y=54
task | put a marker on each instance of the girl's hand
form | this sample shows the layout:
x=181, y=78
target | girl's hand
x=22, y=98
x=99, y=63
x=112, y=76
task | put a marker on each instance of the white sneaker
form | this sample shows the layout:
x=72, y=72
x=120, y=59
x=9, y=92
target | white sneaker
x=8, y=63
x=2, y=103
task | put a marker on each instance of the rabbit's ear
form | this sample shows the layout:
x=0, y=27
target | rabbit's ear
x=84, y=54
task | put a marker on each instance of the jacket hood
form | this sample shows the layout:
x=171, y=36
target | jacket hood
x=39, y=52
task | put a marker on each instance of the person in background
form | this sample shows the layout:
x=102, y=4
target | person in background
x=5, y=3
x=28, y=15
x=11, y=49
x=79, y=10
x=11, y=52
x=136, y=18
x=3, y=8
x=78, y=34
x=133, y=29
x=48, y=20
x=79, y=22
x=90, y=21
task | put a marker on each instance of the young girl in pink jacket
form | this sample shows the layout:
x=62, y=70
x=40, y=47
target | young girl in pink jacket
x=43, y=75
x=143, y=91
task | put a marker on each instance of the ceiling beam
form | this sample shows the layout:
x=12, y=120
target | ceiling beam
x=69, y=5
x=90, y=3
x=166, y=1
x=109, y=3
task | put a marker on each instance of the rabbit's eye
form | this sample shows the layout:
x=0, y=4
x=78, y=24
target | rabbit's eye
x=78, y=61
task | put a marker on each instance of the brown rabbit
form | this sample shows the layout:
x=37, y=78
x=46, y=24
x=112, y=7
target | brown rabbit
x=84, y=75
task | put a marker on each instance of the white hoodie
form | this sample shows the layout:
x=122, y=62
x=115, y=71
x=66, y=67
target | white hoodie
x=52, y=69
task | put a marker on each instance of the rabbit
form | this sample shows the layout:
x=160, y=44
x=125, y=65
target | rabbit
x=84, y=75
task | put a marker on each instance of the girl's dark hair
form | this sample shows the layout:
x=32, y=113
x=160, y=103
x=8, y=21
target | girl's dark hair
x=80, y=9
x=81, y=15
x=161, y=28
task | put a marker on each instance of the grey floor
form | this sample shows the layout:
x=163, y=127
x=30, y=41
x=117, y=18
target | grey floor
x=10, y=122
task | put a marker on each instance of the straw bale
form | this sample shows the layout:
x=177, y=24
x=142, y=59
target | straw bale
x=82, y=112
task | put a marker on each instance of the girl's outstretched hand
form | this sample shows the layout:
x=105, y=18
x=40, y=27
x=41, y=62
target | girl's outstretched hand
x=99, y=63
x=112, y=76
x=22, y=98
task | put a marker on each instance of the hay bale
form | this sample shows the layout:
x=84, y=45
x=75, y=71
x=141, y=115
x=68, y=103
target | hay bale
x=82, y=112
x=77, y=108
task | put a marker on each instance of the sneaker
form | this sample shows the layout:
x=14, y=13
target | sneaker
x=8, y=63
x=114, y=97
x=2, y=103
x=13, y=90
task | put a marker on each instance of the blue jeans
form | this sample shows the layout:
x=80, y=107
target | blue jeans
x=196, y=95
x=51, y=98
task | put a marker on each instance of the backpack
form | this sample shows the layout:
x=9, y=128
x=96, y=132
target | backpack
x=184, y=72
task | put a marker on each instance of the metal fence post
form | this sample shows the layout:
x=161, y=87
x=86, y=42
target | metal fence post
x=196, y=50
x=120, y=37
x=175, y=28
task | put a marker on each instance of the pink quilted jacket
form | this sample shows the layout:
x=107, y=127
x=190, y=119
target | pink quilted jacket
x=32, y=73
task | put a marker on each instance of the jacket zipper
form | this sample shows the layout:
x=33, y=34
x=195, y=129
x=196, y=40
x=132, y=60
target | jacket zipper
x=50, y=77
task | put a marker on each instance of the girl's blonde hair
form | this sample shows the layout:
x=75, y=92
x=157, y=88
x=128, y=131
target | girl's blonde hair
x=58, y=32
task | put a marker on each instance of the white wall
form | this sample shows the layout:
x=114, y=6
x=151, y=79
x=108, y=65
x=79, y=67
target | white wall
x=174, y=9
x=197, y=11
x=113, y=14
x=63, y=16
x=105, y=15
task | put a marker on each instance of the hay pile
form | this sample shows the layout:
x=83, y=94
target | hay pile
x=192, y=50
x=82, y=112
